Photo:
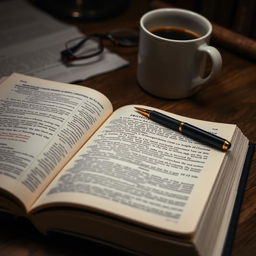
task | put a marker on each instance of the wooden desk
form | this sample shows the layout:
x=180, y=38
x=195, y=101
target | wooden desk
x=230, y=98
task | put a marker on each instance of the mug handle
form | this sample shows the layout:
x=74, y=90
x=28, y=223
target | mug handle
x=216, y=60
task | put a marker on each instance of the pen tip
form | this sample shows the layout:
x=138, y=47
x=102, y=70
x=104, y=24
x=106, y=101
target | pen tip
x=143, y=111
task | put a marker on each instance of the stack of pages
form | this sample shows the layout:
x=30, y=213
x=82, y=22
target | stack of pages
x=31, y=42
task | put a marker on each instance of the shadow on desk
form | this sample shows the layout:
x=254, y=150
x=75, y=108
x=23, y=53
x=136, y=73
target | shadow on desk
x=18, y=237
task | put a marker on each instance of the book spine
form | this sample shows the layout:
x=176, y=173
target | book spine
x=244, y=17
x=207, y=8
x=224, y=12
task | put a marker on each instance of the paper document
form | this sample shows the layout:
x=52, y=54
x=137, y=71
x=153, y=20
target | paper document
x=31, y=42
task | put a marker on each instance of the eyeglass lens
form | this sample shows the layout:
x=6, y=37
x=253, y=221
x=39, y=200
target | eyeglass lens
x=124, y=37
x=80, y=47
x=86, y=47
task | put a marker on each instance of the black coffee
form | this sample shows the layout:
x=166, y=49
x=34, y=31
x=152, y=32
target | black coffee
x=174, y=33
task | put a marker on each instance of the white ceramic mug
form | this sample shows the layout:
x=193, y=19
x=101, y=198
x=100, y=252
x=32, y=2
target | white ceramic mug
x=172, y=68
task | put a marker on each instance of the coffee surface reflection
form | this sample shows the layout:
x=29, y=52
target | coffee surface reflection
x=174, y=33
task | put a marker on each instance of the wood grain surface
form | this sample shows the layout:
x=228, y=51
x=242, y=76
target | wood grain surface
x=230, y=98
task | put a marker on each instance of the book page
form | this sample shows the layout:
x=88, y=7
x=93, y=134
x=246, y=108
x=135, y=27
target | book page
x=139, y=170
x=42, y=124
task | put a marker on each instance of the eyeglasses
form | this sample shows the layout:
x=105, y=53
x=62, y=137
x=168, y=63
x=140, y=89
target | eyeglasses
x=84, y=48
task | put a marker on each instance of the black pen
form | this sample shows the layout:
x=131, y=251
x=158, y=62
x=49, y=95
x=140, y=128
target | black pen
x=189, y=130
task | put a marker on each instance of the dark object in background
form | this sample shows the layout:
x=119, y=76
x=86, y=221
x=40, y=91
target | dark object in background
x=83, y=9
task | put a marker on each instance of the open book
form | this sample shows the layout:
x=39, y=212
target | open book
x=70, y=164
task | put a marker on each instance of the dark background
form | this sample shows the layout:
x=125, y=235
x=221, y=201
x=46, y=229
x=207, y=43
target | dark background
x=237, y=15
